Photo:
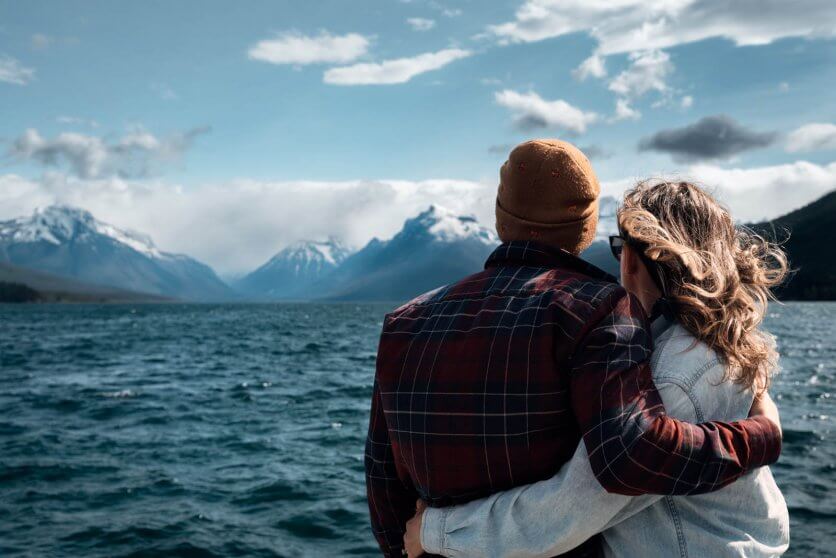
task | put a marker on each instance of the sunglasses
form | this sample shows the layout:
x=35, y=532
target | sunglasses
x=616, y=246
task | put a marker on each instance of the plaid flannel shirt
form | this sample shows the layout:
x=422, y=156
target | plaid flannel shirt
x=492, y=382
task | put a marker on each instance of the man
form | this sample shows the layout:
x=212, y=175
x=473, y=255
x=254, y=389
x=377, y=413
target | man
x=492, y=382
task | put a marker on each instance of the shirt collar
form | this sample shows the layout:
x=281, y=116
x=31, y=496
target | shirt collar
x=661, y=317
x=534, y=254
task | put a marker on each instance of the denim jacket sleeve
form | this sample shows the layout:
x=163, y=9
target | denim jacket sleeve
x=546, y=518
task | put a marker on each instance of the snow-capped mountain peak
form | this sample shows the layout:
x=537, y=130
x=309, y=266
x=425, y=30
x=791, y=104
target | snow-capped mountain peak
x=296, y=266
x=57, y=224
x=331, y=252
x=444, y=225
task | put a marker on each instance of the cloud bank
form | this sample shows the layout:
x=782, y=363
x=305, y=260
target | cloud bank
x=623, y=26
x=236, y=226
x=812, y=137
x=644, y=29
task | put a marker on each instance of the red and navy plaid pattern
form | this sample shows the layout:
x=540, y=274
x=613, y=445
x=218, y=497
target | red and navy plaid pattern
x=491, y=383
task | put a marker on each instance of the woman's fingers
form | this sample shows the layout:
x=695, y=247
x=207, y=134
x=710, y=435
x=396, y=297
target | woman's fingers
x=412, y=537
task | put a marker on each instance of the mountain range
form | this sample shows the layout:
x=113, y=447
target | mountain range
x=68, y=254
x=71, y=243
x=432, y=249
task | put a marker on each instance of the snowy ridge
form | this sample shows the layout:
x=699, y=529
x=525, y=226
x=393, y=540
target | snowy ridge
x=139, y=242
x=444, y=225
x=57, y=224
x=330, y=252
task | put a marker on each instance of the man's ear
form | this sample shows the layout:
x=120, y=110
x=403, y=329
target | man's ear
x=630, y=260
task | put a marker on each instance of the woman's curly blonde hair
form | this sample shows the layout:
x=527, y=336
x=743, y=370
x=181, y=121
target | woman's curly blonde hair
x=718, y=276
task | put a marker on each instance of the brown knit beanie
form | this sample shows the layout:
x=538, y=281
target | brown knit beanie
x=548, y=193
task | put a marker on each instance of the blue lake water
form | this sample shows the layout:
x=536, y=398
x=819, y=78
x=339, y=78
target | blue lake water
x=237, y=430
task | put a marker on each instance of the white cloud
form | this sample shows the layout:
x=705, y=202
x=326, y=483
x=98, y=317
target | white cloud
x=11, y=71
x=629, y=25
x=641, y=26
x=591, y=67
x=294, y=48
x=420, y=23
x=755, y=194
x=532, y=111
x=812, y=137
x=236, y=226
x=623, y=111
x=647, y=72
x=390, y=72
x=136, y=154
x=686, y=102
x=783, y=87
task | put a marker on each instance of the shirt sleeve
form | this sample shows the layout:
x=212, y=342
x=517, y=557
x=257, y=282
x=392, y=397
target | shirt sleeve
x=543, y=519
x=391, y=499
x=634, y=447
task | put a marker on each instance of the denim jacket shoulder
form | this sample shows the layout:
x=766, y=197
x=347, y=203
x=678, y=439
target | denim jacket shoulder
x=682, y=360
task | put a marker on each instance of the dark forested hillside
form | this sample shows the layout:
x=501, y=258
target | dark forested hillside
x=811, y=247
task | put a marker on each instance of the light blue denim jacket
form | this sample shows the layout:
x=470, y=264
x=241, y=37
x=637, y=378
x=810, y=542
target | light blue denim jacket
x=747, y=518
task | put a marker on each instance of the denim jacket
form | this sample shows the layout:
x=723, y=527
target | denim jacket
x=747, y=518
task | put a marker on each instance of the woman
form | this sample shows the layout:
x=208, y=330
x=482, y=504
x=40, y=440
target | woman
x=705, y=284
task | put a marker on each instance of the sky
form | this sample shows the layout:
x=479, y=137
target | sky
x=227, y=130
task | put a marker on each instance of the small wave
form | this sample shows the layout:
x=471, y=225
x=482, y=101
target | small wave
x=49, y=472
x=121, y=394
x=800, y=513
x=63, y=404
x=306, y=527
x=276, y=491
x=804, y=438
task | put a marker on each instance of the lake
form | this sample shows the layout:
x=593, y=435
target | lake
x=238, y=430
